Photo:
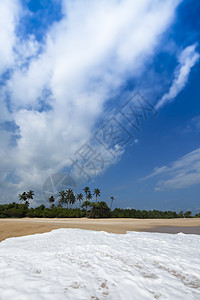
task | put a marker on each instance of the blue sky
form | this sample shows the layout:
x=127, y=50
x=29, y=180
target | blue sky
x=67, y=69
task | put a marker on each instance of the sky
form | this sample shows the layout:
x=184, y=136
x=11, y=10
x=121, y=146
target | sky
x=106, y=92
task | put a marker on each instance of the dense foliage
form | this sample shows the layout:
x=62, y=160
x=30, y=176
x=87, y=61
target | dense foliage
x=151, y=214
x=94, y=210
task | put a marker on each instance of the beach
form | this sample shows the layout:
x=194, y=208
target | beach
x=28, y=226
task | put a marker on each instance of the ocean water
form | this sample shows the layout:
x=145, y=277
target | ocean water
x=80, y=264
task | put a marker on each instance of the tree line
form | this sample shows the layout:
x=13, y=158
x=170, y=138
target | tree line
x=63, y=207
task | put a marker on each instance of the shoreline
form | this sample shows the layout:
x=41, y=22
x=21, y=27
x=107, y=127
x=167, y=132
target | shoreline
x=28, y=226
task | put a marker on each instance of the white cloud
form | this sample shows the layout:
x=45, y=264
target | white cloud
x=182, y=173
x=195, y=122
x=86, y=56
x=193, y=125
x=9, y=15
x=157, y=189
x=187, y=59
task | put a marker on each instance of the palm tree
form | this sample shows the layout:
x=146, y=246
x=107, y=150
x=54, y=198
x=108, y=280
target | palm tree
x=72, y=197
x=89, y=196
x=79, y=197
x=30, y=194
x=96, y=193
x=23, y=196
x=52, y=201
x=86, y=190
x=86, y=204
x=112, y=199
x=62, y=198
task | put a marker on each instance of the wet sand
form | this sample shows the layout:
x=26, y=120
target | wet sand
x=176, y=229
x=26, y=226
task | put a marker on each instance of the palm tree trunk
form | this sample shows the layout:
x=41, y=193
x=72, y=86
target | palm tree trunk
x=111, y=204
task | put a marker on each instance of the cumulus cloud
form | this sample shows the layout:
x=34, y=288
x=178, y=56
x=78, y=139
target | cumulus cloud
x=10, y=12
x=187, y=59
x=182, y=173
x=57, y=88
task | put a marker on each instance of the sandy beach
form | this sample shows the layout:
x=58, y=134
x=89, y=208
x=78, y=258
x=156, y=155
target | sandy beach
x=27, y=226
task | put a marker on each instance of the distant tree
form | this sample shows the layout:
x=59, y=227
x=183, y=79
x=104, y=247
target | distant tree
x=94, y=209
x=30, y=194
x=52, y=201
x=86, y=204
x=69, y=197
x=104, y=210
x=24, y=197
x=112, y=199
x=96, y=193
x=41, y=207
x=180, y=215
x=62, y=198
x=99, y=210
x=89, y=196
x=79, y=198
x=187, y=214
x=72, y=197
x=87, y=191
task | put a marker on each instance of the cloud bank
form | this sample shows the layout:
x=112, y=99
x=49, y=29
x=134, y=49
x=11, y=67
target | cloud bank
x=52, y=92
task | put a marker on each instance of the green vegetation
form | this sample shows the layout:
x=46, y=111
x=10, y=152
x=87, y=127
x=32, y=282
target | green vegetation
x=62, y=207
x=151, y=214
